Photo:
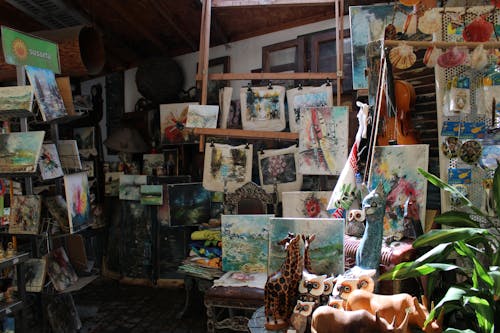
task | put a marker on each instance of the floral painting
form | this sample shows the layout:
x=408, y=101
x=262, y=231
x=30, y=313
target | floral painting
x=25, y=213
x=400, y=180
x=326, y=250
x=69, y=155
x=279, y=167
x=227, y=167
x=47, y=93
x=151, y=195
x=60, y=271
x=172, y=122
x=245, y=241
x=130, y=187
x=16, y=98
x=263, y=108
x=189, y=204
x=20, y=151
x=78, y=201
x=50, y=166
x=151, y=163
x=323, y=139
x=204, y=116
x=306, y=204
x=299, y=98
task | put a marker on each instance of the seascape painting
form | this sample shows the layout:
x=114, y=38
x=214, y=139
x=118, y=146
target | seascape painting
x=227, y=167
x=16, y=98
x=20, y=151
x=263, y=109
x=400, y=180
x=306, y=204
x=326, y=250
x=245, y=240
x=77, y=192
x=151, y=162
x=151, y=195
x=298, y=98
x=60, y=271
x=112, y=183
x=130, y=187
x=203, y=116
x=69, y=155
x=47, y=93
x=279, y=167
x=189, y=204
x=172, y=122
x=25, y=213
x=323, y=137
x=50, y=166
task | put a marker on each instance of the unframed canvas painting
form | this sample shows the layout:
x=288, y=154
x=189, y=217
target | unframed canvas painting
x=69, y=155
x=227, y=167
x=280, y=167
x=60, y=271
x=172, y=122
x=50, y=166
x=130, y=186
x=203, y=116
x=298, y=98
x=112, y=184
x=20, y=151
x=152, y=195
x=25, y=213
x=16, y=98
x=85, y=140
x=189, y=204
x=263, y=109
x=306, y=204
x=58, y=209
x=78, y=201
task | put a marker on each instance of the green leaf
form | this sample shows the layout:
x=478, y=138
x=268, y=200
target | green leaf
x=451, y=300
x=454, y=330
x=496, y=189
x=484, y=313
x=479, y=270
x=409, y=270
x=436, y=237
x=456, y=219
x=495, y=276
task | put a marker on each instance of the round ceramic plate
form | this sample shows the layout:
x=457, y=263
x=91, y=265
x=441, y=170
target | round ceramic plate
x=470, y=151
x=451, y=146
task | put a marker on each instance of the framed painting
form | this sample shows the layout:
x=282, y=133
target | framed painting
x=112, y=183
x=189, y=204
x=85, y=140
x=58, y=209
x=35, y=271
x=323, y=136
x=216, y=66
x=50, y=166
x=163, y=212
x=306, y=204
x=171, y=161
x=20, y=151
x=77, y=192
x=326, y=251
x=400, y=180
x=151, y=195
x=299, y=98
x=172, y=122
x=47, y=93
x=88, y=166
x=16, y=98
x=204, y=116
x=226, y=167
x=130, y=186
x=263, y=108
x=151, y=163
x=245, y=240
x=69, y=155
x=279, y=167
x=25, y=213
x=60, y=271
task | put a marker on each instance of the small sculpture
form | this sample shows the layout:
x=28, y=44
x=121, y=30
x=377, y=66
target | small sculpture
x=356, y=223
x=11, y=251
x=328, y=283
x=300, y=315
x=353, y=279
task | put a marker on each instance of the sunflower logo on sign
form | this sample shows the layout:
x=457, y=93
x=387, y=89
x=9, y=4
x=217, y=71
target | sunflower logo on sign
x=19, y=49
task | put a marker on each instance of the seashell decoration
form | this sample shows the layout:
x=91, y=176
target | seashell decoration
x=402, y=56
x=478, y=30
x=431, y=56
x=430, y=22
x=453, y=57
x=479, y=58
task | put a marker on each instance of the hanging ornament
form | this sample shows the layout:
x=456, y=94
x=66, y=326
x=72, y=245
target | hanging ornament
x=409, y=2
x=478, y=30
x=453, y=57
x=479, y=58
x=402, y=56
x=431, y=56
x=430, y=22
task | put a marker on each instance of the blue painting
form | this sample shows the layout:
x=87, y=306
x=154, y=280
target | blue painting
x=189, y=204
x=245, y=243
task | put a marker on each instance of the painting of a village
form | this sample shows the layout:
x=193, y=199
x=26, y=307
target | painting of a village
x=20, y=151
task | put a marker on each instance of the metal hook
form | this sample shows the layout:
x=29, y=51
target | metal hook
x=249, y=87
x=270, y=85
x=297, y=143
x=328, y=82
x=247, y=146
x=212, y=143
x=300, y=86
x=262, y=151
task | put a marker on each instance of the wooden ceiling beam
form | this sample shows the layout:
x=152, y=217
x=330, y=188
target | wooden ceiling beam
x=218, y=33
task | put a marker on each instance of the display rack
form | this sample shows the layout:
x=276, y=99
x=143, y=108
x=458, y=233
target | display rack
x=8, y=308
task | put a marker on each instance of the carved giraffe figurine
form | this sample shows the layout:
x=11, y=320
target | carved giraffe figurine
x=280, y=292
x=307, y=259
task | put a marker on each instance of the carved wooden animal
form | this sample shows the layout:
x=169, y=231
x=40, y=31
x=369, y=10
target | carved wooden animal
x=328, y=288
x=281, y=289
x=329, y=320
x=307, y=258
x=300, y=316
x=355, y=278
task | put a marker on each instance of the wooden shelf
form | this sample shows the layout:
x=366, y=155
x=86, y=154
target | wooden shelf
x=269, y=76
x=245, y=134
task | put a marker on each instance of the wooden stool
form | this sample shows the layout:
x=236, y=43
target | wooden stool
x=231, y=307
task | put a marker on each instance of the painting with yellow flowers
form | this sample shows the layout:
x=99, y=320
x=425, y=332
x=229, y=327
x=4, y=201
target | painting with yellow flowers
x=76, y=186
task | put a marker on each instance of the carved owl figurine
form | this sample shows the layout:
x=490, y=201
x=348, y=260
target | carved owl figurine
x=311, y=287
x=356, y=223
x=300, y=315
x=327, y=290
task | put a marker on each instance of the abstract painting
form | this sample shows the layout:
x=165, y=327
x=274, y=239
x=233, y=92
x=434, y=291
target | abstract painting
x=263, y=108
x=396, y=168
x=25, y=213
x=279, y=167
x=130, y=186
x=58, y=209
x=20, y=151
x=85, y=140
x=326, y=251
x=112, y=184
x=298, y=98
x=16, y=98
x=50, y=166
x=172, y=122
x=76, y=187
x=323, y=139
x=35, y=271
x=151, y=195
x=306, y=204
x=245, y=240
x=151, y=162
x=60, y=271
x=227, y=167
x=189, y=204
x=47, y=93
x=69, y=155
x=367, y=25
x=204, y=116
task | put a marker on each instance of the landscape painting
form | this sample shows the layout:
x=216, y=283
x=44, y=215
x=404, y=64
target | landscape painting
x=189, y=204
x=69, y=155
x=25, y=213
x=279, y=167
x=172, y=122
x=50, y=166
x=245, y=240
x=130, y=187
x=20, y=151
x=152, y=195
x=326, y=250
x=16, y=98
x=77, y=192
x=306, y=204
x=263, y=108
x=47, y=93
x=203, y=116
x=298, y=98
x=226, y=167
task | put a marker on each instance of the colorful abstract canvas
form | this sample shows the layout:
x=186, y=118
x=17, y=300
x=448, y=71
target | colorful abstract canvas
x=204, y=116
x=298, y=98
x=279, y=167
x=60, y=271
x=85, y=140
x=130, y=187
x=47, y=93
x=151, y=162
x=245, y=240
x=227, y=167
x=323, y=137
x=69, y=155
x=396, y=168
x=50, y=166
x=112, y=184
x=306, y=204
x=172, y=122
x=76, y=187
x=263, y=108
x=20, y=151
x=326, y=251
x=16, y=98
x=189, y=204
x=25, y=213
x=151, y=195
x=58, y=209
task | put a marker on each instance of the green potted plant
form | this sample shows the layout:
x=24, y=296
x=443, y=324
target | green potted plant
x=470, y=248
